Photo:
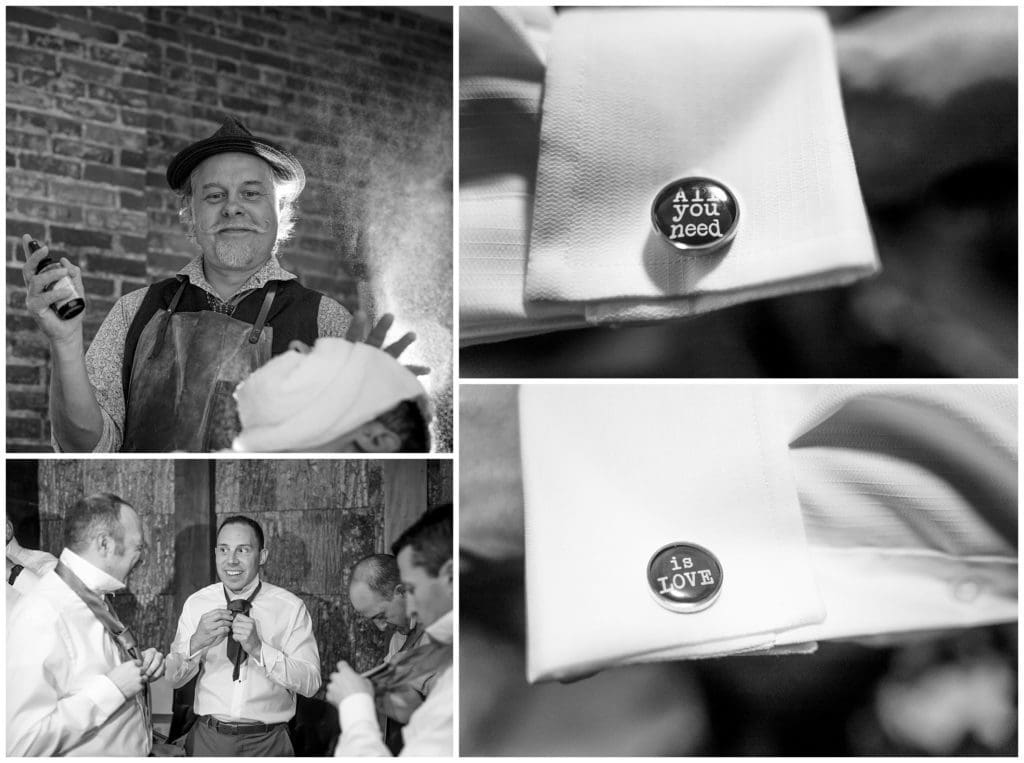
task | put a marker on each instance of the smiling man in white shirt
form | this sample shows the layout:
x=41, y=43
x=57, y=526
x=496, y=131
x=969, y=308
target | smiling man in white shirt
x=424, y=554
x=75, y=678
x=253, y=643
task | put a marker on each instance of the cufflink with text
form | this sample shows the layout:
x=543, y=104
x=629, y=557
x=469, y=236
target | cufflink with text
x=695, y=214
x=684, y=577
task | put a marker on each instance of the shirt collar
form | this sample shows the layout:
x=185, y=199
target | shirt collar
x=441, y=629
x=245, y=592
x=94, y=578
x=13, y=547
x=271, y=270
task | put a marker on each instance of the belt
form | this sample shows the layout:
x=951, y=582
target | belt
x=224, y=727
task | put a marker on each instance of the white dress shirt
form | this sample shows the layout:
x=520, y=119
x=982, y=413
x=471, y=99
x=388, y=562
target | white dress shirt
x=59, y=699
x=835, y=511
x=555, y=221
x=288, y=663
x=429, y=732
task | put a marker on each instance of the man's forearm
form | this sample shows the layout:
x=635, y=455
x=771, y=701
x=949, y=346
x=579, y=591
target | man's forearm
x=293, y=673
x=75, y=415
x=180, y=669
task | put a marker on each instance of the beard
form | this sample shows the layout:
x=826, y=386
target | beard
x=236, y=254
x=243, y=253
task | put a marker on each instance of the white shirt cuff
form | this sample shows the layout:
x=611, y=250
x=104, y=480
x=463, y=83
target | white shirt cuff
x=765, y=118
x=701, y=465
x=357, y=708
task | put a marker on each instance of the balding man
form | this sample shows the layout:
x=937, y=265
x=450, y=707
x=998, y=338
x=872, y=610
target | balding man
x=76, y=679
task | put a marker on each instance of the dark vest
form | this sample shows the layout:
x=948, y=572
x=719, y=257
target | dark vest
x=293, y=315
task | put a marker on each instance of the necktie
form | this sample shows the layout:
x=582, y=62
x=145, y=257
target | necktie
x=412, y=667
x=392, y=728
x=236, y=654
x=13, y=575
x=414, y=637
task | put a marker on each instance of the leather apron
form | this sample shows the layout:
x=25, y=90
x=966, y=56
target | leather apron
x=184, y=374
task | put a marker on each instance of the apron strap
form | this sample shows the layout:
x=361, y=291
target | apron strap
x=268, y=300
x=159, y=343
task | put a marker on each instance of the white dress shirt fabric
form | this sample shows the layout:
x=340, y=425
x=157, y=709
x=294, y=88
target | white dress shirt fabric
x=40, y=562
x=59, y=699
x=633, y=99
x=288, y=663
x=501, y=77
x=430, y=731
x=835, y=512
x=24, y=583
x=397, y=641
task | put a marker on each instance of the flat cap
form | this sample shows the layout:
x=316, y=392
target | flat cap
x=234, y=136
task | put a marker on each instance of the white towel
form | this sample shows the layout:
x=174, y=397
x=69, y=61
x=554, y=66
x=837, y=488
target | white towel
x=301, y=401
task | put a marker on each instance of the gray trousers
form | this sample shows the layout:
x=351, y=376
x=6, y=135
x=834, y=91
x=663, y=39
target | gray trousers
x=204, y=741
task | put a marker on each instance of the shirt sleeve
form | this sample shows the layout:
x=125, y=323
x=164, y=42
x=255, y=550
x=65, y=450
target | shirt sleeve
x=360, y=733
x=832, y=512
x=332, y=319
x=582, y=251
x=295, y=665
x=429, y=733
x=44, y=718
x=103, y=363
x=182, y=665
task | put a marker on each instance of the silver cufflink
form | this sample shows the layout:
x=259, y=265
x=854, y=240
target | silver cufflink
x=696, y=214
x=684, y=577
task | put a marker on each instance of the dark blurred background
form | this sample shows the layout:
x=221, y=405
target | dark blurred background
x=948, y=694
x=931, y=104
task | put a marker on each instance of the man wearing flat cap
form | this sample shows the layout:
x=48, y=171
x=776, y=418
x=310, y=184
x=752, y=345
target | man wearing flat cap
x=161, y=371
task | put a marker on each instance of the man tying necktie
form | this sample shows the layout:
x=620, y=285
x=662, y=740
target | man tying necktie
x=77, y=682
x=252, y=645
x=377, y=594
x=424, y=556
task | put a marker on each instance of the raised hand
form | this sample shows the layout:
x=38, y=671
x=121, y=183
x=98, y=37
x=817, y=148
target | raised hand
x=39, y=301
x=213, y=628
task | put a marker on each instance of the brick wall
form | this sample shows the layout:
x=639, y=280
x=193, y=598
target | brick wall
x=99, y=99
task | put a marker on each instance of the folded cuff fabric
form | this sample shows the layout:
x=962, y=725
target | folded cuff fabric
x=833, y=515
x=632, y=100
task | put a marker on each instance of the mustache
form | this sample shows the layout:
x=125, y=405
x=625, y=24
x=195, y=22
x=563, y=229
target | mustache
x=252, y=226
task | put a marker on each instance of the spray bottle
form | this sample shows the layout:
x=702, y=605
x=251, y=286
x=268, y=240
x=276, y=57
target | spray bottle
x=73, y=305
